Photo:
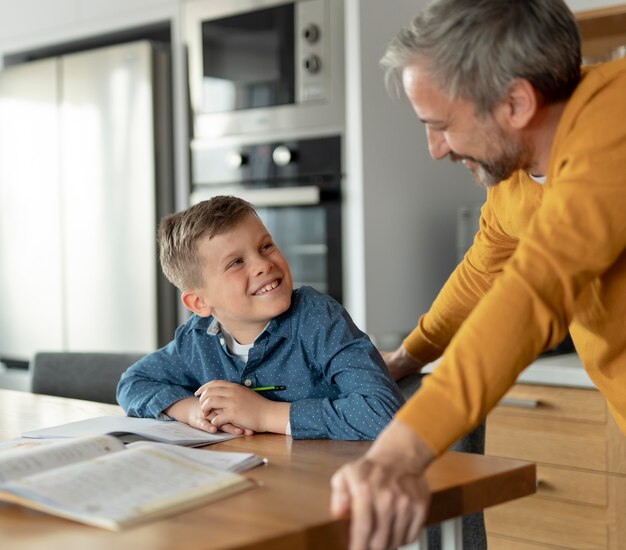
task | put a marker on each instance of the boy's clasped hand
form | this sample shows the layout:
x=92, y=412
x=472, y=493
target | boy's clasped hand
x=228, y=405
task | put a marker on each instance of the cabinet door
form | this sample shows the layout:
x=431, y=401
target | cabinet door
x=30, y=242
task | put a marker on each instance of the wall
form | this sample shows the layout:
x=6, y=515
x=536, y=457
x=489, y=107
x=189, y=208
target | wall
x=35, y=24
x=29, y=24
x=409, y=201
x=401, y=205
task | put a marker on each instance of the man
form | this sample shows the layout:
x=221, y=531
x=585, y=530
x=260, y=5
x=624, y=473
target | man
x=498, y=86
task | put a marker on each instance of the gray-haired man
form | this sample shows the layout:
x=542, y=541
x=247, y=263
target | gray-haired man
x=498, y=86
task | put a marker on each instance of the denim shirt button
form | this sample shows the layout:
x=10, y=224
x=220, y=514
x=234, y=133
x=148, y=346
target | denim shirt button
x=247, y=382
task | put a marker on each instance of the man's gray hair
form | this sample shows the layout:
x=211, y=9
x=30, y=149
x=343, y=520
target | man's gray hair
x=473, y=49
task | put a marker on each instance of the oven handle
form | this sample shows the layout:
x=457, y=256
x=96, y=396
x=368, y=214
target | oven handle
x=267, y=197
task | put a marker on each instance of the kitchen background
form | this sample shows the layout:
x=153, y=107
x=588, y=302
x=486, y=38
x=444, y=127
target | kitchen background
x=404, y=219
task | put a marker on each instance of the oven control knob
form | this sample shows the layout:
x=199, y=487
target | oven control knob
x=237, y=160
x=311, y=33
x=313, y=64
x=282, y=155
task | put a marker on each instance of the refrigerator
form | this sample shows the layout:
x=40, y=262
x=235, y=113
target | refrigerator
x=85, y=175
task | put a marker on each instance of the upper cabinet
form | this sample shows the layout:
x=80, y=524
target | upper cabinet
x=603, y=32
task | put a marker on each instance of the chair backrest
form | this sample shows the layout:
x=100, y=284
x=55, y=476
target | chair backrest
x=410, y=384
x=90, y=376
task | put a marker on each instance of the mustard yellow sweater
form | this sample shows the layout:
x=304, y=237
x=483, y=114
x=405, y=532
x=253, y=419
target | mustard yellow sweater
x=547, y=257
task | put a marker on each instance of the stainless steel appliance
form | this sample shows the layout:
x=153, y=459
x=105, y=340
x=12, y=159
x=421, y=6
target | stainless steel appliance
x=296, y=187
x=84, y=176
x=258, y=66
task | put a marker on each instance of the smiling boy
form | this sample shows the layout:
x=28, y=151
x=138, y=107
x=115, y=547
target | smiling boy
x=250, y=329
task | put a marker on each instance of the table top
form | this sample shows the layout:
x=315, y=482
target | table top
x=289, y=509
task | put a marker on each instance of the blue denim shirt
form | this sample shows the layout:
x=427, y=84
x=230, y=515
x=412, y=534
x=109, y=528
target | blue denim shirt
x=335, y=378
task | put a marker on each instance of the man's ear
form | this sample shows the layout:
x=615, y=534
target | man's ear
x=520, y=104
x=195, y=303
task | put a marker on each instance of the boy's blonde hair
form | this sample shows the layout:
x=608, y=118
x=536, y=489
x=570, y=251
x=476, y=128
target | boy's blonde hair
x=179, y=233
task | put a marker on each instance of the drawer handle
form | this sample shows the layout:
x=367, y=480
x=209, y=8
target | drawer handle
x=543, y=485
x=520, y=403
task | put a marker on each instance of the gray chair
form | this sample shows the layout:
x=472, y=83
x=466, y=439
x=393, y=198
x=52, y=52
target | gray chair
x=90, y=376
x=474, y=534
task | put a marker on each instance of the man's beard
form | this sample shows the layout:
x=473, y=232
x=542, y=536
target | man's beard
x=491, y=171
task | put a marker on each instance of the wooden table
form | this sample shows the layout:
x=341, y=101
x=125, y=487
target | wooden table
x=289, y=511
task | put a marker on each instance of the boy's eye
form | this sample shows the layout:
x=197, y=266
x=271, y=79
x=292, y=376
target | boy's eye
x=234, y=263
x=267, y=247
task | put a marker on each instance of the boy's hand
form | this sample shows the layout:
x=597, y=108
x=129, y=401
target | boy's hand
x=227, y=403
x=189, y=411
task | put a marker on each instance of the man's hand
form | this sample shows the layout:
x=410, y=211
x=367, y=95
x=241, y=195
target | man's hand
x=227, y=403
x=400, y=363
x=189, y=411
x=385, y=491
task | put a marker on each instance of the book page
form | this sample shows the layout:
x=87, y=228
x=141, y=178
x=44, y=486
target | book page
x=24, y=461
x=166, y=431
x=222, y=460
x=124, y=487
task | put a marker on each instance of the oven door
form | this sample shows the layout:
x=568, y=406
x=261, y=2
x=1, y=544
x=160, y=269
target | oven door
x=305, y=223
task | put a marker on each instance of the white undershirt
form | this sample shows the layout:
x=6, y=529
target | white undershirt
x=237, y=349
x=538, y=179
x=242, y=351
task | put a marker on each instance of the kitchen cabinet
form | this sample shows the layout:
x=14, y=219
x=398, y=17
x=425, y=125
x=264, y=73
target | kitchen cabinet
x=602, y=30
x=581, y=470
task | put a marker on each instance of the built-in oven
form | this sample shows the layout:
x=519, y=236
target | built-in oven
x=295, y=186
x=259, y=66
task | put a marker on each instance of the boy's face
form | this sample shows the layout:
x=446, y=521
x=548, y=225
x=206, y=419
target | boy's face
x=247, y=281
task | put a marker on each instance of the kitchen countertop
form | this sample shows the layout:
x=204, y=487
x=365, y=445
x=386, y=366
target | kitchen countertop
x=558, y=370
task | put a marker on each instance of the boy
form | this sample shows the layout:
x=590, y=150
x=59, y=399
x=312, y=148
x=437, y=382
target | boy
x=250, y=330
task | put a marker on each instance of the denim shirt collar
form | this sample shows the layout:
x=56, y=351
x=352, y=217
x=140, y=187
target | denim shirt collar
x=279, y=326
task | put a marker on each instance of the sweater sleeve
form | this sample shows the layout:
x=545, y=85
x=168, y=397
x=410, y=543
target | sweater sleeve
x=576, y=235
x=466, y=285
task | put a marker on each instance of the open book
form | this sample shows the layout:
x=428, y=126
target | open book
x=130, y=429
x=98, y=481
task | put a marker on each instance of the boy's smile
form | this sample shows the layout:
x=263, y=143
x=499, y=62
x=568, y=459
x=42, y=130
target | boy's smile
x=247, y=279
x=265, y=288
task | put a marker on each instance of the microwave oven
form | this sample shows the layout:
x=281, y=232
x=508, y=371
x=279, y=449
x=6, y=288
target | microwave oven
x=264, y=66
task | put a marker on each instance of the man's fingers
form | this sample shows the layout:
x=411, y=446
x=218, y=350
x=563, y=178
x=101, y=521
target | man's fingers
x=410, y=513
x=387, y=509
x=363, y=517
x=340, y=495
x=403, y=517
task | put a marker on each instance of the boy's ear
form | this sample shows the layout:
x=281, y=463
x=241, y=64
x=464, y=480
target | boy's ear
x=195, y=303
